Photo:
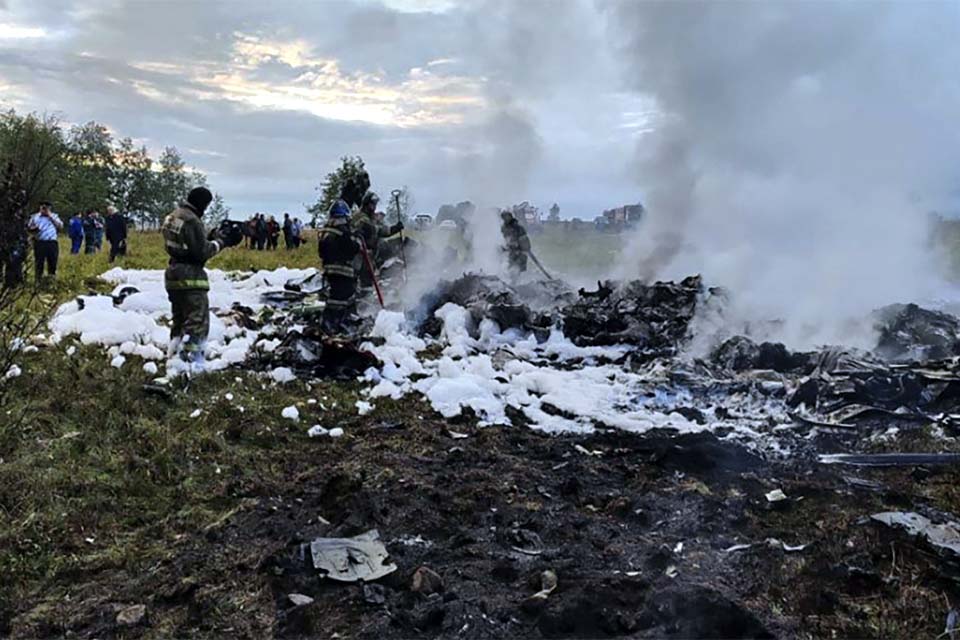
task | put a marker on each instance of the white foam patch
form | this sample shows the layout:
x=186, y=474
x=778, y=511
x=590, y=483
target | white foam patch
x=136, y=326
x=556, y=385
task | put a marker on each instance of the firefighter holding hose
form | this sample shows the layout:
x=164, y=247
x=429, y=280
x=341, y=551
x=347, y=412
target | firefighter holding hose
x=338, y=248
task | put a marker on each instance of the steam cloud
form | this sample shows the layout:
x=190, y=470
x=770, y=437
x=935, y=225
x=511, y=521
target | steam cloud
x=797, y=153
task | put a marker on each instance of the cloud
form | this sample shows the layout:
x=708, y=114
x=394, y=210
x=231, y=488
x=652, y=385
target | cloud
x=19, y=32
x=478, y=99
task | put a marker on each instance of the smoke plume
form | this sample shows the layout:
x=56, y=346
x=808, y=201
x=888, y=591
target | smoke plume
x=798, y=150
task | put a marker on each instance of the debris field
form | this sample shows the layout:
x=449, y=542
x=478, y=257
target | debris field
x=538, y=461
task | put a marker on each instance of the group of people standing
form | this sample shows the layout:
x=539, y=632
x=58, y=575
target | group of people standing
x=262, y=233
x=87, y=231
x=43, y=229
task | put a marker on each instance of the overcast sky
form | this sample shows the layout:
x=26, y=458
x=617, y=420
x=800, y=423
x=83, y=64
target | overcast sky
x=493, y=101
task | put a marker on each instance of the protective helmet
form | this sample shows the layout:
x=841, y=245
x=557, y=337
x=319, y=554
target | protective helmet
x=339, y=210
x=506, y=216
x=369, y=199
x=200, y=197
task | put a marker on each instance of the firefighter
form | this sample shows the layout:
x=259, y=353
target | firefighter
x=189, y=248
x=338, y=248
x=517, y=243
x=368, y=225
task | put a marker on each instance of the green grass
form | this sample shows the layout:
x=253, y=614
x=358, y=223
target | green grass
x=96, y=477
x=99, y=478
x=581, y=252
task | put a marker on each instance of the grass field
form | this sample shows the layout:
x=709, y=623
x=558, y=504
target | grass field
x=96, y=477
x=584, y=251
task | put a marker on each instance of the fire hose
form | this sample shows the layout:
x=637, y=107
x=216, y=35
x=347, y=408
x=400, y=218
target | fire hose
x=403, y=253
x=373, y=274
x=539, y=266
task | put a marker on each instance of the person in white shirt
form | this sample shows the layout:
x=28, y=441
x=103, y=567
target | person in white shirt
x=44, y=226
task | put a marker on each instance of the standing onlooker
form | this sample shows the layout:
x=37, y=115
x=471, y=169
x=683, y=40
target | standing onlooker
x=116, y=233
x=273, y=233
x=287, y=231
x=75, y=231
x=44, y=225
x=250, y=229
x=99, y=230
x=89, y=232
x=261, y=232
x=297, y=229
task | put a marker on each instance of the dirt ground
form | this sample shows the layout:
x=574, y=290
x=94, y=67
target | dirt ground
x=635, y=528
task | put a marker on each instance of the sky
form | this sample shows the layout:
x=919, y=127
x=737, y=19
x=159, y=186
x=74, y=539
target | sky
x=494, y=101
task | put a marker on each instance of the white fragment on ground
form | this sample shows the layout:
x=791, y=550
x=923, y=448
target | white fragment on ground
x=316, y=431
x=196, y=413
x=290, y=413
x=228, y=397
x=413, y=541
x=587, y=452
x=117, y=361
x=312, y=401
x=282, y=375
x=31, y=349
x=150, y=368
x=71, y=350
x=336, y=432
x=776, y=495
x=363, y=408
x=269, y=346
x=299, y=600
x=13, y=372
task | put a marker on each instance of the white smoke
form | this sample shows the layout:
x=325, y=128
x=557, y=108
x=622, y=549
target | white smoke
x=798, y=149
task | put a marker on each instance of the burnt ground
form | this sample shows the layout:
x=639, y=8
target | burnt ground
x=491, y=512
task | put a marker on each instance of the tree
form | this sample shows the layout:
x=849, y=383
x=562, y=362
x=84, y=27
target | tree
x=132, y=181
x=31, y=154
x=350, y=170
x=406, y=203
x=36, y=147
x=217, y=212
x=169, y=184
x=554, y=213
x=89, y=157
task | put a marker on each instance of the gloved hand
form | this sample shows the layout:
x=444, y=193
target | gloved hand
x=397, y=228
x=230, y=234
